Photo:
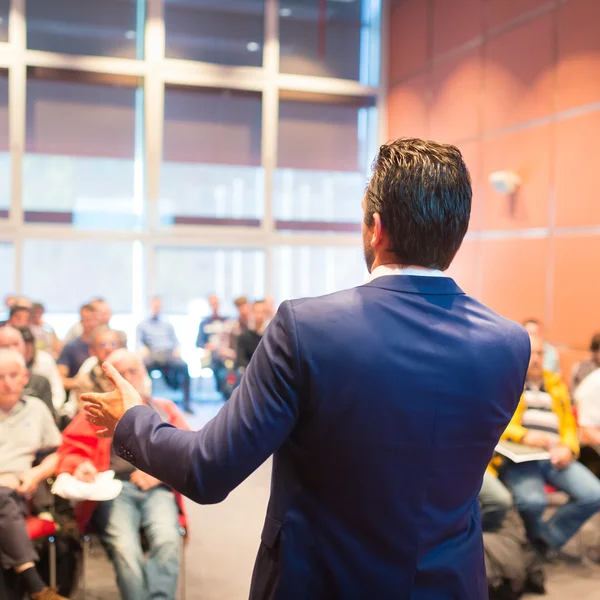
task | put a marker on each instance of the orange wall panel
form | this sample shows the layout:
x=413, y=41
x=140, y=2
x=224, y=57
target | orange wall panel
x=407, y=105
x=450, y=31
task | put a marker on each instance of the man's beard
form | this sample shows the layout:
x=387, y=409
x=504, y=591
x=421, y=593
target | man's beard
x=369, y=254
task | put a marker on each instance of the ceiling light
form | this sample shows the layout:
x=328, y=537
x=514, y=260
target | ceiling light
x=253, y=47
x=130, y=35
x=285, y=12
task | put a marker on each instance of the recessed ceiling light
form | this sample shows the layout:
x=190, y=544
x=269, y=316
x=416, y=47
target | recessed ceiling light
x=253, y=47
x=130, y=35
x=285, y=12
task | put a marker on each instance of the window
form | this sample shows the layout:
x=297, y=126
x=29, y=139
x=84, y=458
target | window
x=81, y=165
x=324, y=154
x=211, y=170
x=4, y=10
x=7, y=272
x=330, y=38
x=215, y=31
x=5, y=162
x=301, y=271
x=185, y=277
x=65, y=274
x=106, y=28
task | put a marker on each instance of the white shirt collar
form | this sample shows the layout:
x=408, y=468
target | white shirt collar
x=385, y=270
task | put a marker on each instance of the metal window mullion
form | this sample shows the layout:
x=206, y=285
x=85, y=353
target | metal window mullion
x=270, y=118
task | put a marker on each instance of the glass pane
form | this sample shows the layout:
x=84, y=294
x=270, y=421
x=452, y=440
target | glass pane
x=7, y=273
x=215, y=31
x=81, y=166
x=106, y=28
x=324, y=155
x=4, y=10
x=5, y=165
x=300, y=271
x=211, y=158
x=331, y=38
x=187, y=276
x=64, y=274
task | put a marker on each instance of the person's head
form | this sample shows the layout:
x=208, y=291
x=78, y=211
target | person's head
x=131, y=368
x=536, y=362
x=417, y=205
x=534, y=327
x=595, y=347
x=19, y=316
x=103, y=342
x=29, y=344
x=259, y=314
x=89, y=318
x=10, y=301
x=243, y=308
x=13, y=378
x=37, y=314
x=103, y=312
x=213, y=302
x=156, y=306
x=12, y=339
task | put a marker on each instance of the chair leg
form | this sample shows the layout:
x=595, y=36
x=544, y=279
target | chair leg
x=52, y=552
x=182, y=579
x=84, y=561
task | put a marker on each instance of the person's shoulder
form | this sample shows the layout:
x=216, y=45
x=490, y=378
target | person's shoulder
x=309, y=307
x=35, y=406
x=589, y=386
x=44, y=359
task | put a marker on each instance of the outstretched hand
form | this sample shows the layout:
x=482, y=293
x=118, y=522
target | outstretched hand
x=106, y=410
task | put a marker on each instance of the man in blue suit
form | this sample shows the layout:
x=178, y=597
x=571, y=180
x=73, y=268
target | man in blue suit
x=381, y=404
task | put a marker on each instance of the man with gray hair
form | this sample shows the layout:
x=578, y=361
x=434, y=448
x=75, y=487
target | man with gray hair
x=144, y=500
x=26, y=428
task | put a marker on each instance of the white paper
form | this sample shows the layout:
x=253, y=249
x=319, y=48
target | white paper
x=104, y=487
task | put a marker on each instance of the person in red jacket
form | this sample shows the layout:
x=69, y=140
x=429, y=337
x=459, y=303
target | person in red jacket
x=144, y=502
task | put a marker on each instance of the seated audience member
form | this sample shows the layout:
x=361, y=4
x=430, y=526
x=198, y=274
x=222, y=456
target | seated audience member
x=41, y=363
x=75, y=352
x=587, y=398
x=103, y=317
x=19, y=316
x=248, y=340
x=143, y=502
x=551, y=358
x=45, y=336
x=214, y=336
x=582, y=369
x=240, y=324
x=158, y=342
x=90, y=377
x=494, y=502
x=544, y=419
x=26, y=428
x=37, y=385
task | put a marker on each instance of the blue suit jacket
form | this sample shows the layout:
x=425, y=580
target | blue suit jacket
x=382, y=406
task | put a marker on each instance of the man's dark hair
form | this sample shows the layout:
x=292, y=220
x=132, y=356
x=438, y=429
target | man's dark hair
x=38, y=306
x=595, y=343
x=87, y=308
x=422, y=191
x=28, y=336
x=240, y=301
x=17, y=309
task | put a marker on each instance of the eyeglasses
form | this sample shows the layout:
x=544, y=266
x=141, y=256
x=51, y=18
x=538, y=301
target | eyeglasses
x=106, y=345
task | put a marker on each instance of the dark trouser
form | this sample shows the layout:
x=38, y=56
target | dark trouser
x=175, y=372
x=16, y=548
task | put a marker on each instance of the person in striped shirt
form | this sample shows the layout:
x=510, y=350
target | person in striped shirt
x=544, y=419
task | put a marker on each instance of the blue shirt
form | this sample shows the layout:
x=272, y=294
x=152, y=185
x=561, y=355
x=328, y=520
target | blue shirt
x=157, y=335
x=73, y=355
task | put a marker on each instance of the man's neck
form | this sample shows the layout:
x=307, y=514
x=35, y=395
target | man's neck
x=537, y=382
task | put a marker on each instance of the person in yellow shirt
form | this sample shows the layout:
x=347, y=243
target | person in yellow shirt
x=544, y=419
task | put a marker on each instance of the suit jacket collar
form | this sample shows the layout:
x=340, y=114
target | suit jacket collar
x=410, y=284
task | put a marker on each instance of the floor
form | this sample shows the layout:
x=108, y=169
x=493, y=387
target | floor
x=224, y=539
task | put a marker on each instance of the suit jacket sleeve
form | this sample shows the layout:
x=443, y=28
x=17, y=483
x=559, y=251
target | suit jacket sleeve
x=206, y=465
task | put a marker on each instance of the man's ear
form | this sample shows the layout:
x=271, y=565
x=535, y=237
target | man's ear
x=376, y=230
